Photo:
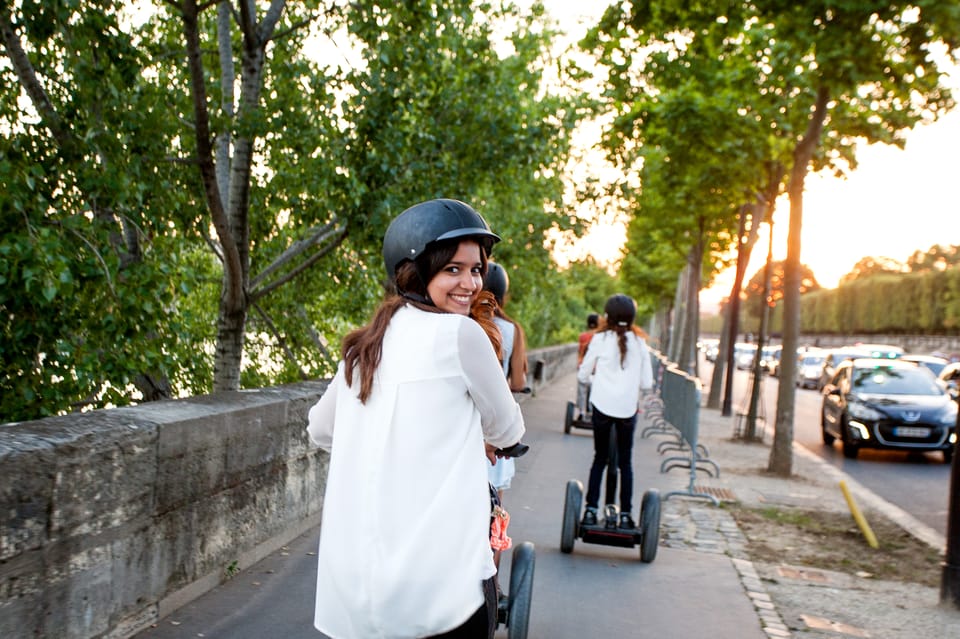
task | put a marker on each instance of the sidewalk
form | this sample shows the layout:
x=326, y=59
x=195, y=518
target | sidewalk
x=701, y=584
x=792, y=601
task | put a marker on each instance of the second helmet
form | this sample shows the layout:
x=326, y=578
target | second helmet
x=496, y=281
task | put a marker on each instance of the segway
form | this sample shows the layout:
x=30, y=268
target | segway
x=513, y=609
x=607, y=530
x=570, y=422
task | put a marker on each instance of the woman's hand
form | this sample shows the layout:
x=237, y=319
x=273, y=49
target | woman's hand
x=491, y=452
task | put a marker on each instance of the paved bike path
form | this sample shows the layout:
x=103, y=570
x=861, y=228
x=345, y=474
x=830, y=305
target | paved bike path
x=594, y=591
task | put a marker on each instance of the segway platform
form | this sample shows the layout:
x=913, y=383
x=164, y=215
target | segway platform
x=607, y=531
x=570, y=422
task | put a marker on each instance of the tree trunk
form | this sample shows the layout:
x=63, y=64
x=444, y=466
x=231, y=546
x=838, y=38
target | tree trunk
x=781, y=453
x=752, y=413
x=229, y=351
x=678, y=325
x=688, y=348
x=719, y=364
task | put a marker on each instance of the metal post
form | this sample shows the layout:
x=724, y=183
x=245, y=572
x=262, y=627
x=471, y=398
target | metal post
x=950, y=577
x=751, y=432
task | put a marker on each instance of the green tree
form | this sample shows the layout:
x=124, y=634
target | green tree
x=824, y=75
x=937, y=257
x=870, y=266
x=91, y=265
x=181, y=178
x=753, y=291
x=680, y=128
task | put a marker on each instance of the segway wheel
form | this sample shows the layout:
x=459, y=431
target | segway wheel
x=568, y=419
x=571, y=515
x=521, y=590
x=649, y=525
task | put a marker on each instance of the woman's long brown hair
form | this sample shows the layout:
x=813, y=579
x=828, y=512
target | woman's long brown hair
x=362, y=348
x=619, y=311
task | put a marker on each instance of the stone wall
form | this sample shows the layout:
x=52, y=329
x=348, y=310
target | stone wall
x=111, y=519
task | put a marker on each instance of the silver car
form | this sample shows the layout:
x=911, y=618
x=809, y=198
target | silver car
x=809, y=367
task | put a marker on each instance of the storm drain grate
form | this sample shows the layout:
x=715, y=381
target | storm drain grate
x=819, y=623
x=723, y=494
x=794, y=572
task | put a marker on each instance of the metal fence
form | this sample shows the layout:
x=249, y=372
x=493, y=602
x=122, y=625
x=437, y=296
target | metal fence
x=673, y=410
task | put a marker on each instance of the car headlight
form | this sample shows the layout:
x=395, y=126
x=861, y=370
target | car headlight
x=864, y=412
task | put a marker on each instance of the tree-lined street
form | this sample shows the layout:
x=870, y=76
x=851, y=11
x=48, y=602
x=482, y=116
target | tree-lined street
x=918, y=483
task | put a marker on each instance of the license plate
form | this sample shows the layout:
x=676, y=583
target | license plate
x=911, y=431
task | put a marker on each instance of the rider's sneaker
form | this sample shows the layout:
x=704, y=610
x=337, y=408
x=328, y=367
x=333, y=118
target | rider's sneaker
x=626, y=521
x=590, y=517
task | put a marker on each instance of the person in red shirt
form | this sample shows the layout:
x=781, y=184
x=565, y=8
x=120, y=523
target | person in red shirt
x=593, y=321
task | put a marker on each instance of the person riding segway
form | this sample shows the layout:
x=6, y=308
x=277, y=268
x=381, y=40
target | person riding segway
x=617, y=365
x=417, y=400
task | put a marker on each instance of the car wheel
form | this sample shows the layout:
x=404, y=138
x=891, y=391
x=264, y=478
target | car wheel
x=947, y=455
x=828, y=439
x=850, y=450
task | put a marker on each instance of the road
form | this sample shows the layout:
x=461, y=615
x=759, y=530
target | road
x=919, y=483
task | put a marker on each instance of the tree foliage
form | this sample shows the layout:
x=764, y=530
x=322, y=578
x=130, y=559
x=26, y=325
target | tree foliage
x=193, y=202
x=870, y=266
x=92, y=268
x=818, y=77
x=753, y=291
x=923, y=302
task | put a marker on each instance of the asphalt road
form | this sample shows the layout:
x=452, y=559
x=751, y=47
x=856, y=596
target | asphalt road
x=919, y=483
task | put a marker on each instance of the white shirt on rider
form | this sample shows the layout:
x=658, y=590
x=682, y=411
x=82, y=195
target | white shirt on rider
x=405, y=532
x=615, y=387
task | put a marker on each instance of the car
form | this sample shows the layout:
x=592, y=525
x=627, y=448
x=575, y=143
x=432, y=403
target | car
x=883, y=351
x=834, y=357
x=743, y=354
x=809, y=366
x=950, y=378
x=770, y=358
x=888, y=404
x=934, y=363
x=709, y=347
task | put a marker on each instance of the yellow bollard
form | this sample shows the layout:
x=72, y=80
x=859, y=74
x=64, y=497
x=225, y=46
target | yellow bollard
x=858, y=517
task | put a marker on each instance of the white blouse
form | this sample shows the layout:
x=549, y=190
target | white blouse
x=404, y=537
x=615, y=388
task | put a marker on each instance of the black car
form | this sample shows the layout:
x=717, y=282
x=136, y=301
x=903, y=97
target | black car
x=833, y=358
x=882, y=403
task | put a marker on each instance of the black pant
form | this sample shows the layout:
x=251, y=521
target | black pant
x=602, y=424
x=476, y=627
x=483, y=623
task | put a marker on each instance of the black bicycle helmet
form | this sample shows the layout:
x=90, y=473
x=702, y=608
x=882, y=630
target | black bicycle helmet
x=412, y=231
x=620, y=310
x=496, y=281
x=593, y=320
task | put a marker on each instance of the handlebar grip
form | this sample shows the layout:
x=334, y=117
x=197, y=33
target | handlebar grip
x=517, y=450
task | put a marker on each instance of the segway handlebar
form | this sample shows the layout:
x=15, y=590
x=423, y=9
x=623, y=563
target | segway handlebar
x=517, y=450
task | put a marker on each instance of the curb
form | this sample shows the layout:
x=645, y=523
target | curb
x=905, y=520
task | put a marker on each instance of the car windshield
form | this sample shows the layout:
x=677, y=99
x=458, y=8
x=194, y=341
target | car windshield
x=812, y=360
x=842, y=357
x=886, y=380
